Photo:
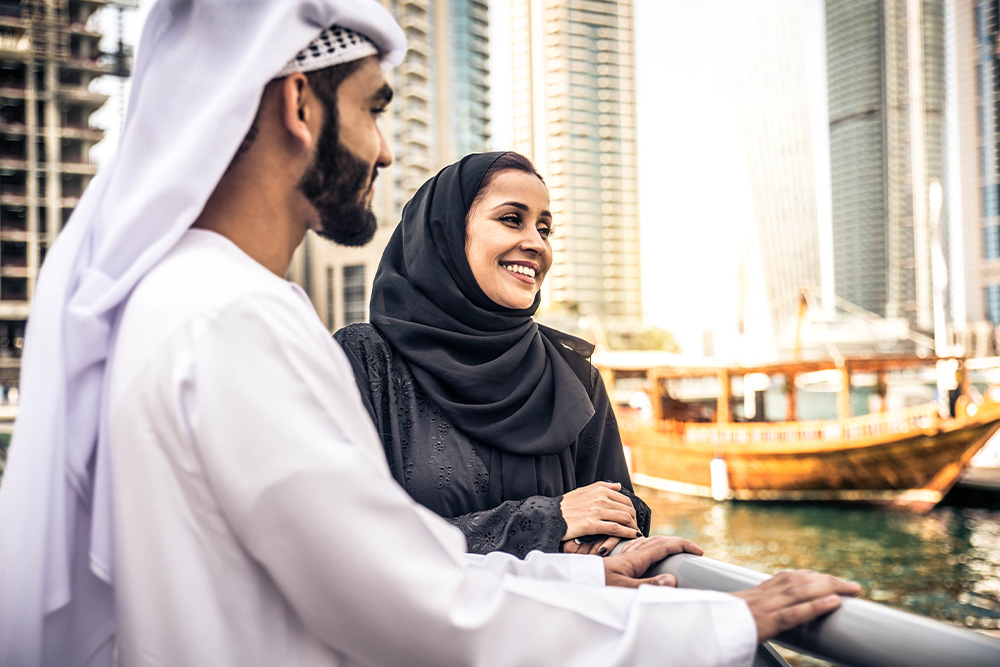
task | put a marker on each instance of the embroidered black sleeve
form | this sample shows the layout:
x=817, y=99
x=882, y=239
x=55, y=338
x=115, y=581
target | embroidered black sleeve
x=516, y=527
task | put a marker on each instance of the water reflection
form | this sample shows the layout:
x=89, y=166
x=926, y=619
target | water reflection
x=945, y=565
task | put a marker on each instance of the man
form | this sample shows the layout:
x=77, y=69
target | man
x=270, y=532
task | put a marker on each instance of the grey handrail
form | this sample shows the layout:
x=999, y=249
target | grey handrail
x=859, y=633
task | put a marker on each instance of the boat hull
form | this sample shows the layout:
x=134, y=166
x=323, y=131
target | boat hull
x=911, y=462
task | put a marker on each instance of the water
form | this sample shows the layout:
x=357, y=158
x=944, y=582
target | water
x=945, y=565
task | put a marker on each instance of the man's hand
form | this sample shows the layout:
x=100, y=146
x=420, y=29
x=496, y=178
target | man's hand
x=637, y=556
x=789, y=599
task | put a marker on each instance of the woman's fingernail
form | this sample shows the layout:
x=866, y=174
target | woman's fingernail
x=638, y=534
x=602, y=551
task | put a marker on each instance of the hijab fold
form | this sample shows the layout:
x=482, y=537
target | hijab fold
x=503, y=380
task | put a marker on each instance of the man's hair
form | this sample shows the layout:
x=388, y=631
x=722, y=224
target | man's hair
x=324, y=82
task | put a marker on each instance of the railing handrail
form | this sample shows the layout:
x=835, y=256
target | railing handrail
x=858, y=634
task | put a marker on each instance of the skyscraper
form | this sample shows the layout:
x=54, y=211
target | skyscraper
x=886, y=67
x=49, y=54
x=977, y=37
x=440, y=112
x=574, y=116
x=767, y=51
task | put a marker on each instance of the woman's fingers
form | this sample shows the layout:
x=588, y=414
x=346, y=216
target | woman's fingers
x=605, y=546
x=606, y=522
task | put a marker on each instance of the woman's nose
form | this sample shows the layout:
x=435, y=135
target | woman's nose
x=532, y=241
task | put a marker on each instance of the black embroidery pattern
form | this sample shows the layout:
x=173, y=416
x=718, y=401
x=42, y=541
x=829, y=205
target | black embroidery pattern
x=442, y=469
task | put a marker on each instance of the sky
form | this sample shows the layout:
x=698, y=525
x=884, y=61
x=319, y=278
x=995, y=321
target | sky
x=694, y=200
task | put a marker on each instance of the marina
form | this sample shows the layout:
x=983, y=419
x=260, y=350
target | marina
x=944, y=565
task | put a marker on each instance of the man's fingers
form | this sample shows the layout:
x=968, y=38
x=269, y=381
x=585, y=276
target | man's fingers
x=794, y=616
x=660, y=580
x=789, y=599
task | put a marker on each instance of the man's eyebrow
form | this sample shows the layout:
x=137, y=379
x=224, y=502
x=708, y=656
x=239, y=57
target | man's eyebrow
x=383, y=95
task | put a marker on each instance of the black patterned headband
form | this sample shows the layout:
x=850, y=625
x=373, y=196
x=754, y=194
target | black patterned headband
x=334, y=46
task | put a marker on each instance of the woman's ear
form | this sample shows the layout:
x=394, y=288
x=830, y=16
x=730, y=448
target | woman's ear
x=301, y=110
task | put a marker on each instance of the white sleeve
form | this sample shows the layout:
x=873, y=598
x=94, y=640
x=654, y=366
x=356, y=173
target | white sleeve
x=576, y=568
x=296, y=467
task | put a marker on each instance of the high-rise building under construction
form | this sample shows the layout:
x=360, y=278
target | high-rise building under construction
x=49, y=56
x=573, y=97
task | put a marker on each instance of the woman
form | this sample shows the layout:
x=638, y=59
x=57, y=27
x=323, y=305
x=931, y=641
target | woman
x=497, y=423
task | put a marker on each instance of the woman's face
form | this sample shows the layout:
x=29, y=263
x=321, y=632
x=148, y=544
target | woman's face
x=507, y=238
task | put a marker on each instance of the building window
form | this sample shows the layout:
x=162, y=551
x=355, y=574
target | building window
x=992, y=295
x=991, y=200
x=991, y=242
x=354, y=294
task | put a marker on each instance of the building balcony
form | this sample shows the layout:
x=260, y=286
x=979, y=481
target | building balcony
x=415, y=113
x=14, y=268
x=67, y=131
x=84, y=168
x=95, y=65
x=478, y=11
x=13, y=92
x=81, y=95
x=417, y=46
x=14, y=195
x=414, y=68
x=416, y=23
x=419, y=138
x=89, y=132
x=14, y=235
x=82, y=30
x=414, y=91
x=14, y=47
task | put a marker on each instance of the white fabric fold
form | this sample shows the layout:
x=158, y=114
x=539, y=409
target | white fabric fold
x=200, y=71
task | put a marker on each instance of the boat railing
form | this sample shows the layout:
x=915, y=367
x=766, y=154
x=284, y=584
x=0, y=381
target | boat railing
x=920, y=417
x=858, y=634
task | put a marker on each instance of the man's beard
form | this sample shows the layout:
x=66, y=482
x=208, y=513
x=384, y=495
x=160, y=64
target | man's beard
x=336, y=184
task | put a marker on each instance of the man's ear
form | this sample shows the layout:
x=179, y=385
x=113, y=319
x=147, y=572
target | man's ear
x=301, y=110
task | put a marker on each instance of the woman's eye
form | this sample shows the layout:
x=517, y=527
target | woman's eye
x=511, y=219
x=545, y=232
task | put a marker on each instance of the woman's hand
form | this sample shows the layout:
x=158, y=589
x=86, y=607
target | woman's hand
x=600, y=547
x=598, y=509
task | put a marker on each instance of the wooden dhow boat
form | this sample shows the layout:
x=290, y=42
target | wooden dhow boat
x=908, y=455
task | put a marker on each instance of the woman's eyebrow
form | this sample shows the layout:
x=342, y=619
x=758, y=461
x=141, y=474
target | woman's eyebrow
x=521, y=207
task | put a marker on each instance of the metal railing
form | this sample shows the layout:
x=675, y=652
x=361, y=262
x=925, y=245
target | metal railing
x=858, y=634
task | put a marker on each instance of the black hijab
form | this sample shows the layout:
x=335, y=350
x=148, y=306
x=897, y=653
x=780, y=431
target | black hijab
x=502, y=379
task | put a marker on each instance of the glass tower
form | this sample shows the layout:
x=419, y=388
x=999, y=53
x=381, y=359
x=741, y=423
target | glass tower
x=573, y=67
x=887, y=95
